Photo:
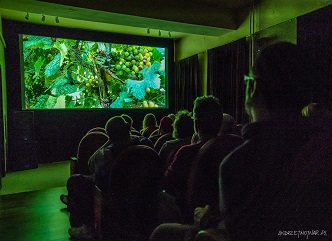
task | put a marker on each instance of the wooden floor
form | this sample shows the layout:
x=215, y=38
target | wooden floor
x=46, y=176
x=34, y=216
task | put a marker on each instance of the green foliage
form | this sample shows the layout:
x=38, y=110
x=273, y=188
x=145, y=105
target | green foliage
x=150, y=80
x=157, y=54
x=38, y=65
x=36, y=42
x=65, y=73
x=119, y=101
x=90, y=102
x=54, y=66
x=45, y=102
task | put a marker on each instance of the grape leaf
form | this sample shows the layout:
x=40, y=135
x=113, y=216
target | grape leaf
x=51, y=101
x=66, y=89
x=114, y=87
x=63, y=50
x=54, y=66
x=68, y=42
x=158, y=54
x=60, y=102
x=35, y=42
x=60, y=81
x=137, y=88
x=162, y=69
x=38, y=64
x=41, y=101
x=89, y=102
x=91, y=46
x=101, y=46
x=69, y=102
x=150, y=80
x=119, y=100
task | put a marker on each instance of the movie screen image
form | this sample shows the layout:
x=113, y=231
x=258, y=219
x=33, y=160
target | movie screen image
x=61, y=73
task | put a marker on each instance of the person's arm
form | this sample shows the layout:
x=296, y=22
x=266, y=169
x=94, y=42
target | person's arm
x=94, y=160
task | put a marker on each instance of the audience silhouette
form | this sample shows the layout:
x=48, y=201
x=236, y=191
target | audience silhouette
x=183, y=130
x=81, y=188
x=207, y=114
x=279, y=179
x=149, y=125
x=165, y=126
x=273, y=177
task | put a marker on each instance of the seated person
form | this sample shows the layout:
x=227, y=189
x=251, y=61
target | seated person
x=207, y=114
x=129, y=120
x=135, y=134
x=165, y=126
x=183, y=130
x=149, y=125
x=81, y=188
x=172, y=116
x=280, y=178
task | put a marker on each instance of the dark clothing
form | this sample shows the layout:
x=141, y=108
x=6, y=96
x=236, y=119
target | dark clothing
x=176, y=176
x=162, y=140
x=145, y=141
x=81, y=188
x=203, y=188
x=154, y=138
x=169, y=149
x=102, y=161
x=135, y=132
x=148, y=131
x=258, y=181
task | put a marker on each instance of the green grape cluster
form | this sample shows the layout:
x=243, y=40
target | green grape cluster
x=130, y=60
x=91, y=86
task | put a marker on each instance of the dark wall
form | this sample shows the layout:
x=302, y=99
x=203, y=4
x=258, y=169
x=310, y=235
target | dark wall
x=315, y=36
x=56, y=133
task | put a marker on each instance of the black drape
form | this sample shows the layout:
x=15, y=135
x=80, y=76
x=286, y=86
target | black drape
x=186, y=83
x=226, y=67
x=314, y=34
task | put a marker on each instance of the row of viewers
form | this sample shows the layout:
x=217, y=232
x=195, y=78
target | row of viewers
x=153, y=175
x=276, y=176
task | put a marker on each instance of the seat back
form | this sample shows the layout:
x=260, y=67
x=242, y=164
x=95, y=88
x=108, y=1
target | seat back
x=161, y=140
x=88, y=145
x=203, y=186
x=97, y=129
x=131, y=210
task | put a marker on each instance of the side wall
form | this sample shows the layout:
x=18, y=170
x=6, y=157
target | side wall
x=3, y=107
x=265, y=15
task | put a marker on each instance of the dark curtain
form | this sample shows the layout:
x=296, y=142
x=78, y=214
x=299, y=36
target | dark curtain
x=226, y=67
x=186, y=83
x=314, y=34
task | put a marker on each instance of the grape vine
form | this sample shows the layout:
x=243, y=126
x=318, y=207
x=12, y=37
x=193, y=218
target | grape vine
x=85, y=74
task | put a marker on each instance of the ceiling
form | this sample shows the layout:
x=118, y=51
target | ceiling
x=174, y=18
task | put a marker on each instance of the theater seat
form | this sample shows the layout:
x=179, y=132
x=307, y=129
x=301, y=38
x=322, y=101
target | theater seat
x=97, y=129
x=88, y=145
x=129, y=209
x=203, y=178
x=161, y=140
